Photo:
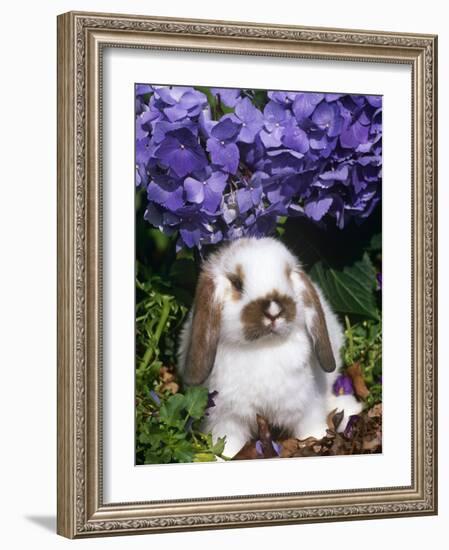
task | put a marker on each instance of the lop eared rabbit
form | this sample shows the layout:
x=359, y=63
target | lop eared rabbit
x=263, y=336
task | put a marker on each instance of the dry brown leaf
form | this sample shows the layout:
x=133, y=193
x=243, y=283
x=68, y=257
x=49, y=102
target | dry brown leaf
x=247, y=452
x=360, y=389
x=375, y=411
x=172, y=387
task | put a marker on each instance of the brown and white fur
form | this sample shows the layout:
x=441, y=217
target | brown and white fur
x=263, y=336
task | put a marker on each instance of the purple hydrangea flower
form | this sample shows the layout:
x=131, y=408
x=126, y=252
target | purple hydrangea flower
x=181, y=152
x=206, y=191
x=211, y=176
x=222, y=147
x=250, y=118
x=180, y=101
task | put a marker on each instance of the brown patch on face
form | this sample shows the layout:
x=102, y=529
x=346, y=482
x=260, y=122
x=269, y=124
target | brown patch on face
x=318, y=328
x=288, y=271
x=237, y=280
x=204, y=332
x=254, y=313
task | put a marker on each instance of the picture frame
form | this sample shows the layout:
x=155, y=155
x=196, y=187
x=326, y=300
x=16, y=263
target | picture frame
x=82, y=41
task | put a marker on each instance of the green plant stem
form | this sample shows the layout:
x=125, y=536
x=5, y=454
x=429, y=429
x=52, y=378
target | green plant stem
x=350, y=340
x=158, y=332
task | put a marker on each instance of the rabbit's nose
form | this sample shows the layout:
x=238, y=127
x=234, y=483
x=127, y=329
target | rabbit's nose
x=273, y=310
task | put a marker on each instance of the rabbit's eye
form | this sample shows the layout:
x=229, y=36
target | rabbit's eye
x=236, y=279
x=236, y=282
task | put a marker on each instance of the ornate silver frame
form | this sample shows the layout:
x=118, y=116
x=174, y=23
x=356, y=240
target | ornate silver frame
x=81, y=37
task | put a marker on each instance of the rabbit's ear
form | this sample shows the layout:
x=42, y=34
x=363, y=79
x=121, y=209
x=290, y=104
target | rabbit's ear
x=316, y=325
x=204, y=332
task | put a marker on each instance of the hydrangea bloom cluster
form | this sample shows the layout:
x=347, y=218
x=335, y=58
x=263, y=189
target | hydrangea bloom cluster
x=222, y=165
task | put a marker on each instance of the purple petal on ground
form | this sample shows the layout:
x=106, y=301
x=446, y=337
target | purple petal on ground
x=343, y=385
x=277, y=447
x=317, y=209
x=259, y=448
x=349, y=430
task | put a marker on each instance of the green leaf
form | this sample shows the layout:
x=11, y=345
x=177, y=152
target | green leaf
x=204, y=457
x=350, y=290
x=376, y=242
x=152, y=439
x=171, y=409
x=196, y=401
x=183, y=452
x=219, y=446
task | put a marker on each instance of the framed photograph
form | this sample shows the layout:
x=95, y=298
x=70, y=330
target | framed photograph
x=246, y=274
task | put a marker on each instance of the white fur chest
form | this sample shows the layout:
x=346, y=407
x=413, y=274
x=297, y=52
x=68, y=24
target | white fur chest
x=274, y=380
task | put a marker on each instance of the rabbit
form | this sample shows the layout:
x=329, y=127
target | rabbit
x=263, y=336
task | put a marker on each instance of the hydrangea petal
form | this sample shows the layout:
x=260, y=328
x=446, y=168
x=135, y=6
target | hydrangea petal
x=194, y=190
x=317, y=209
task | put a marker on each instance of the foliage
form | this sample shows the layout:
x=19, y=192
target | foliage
x=168, y=431
x=167, y=421
x=364, y=346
